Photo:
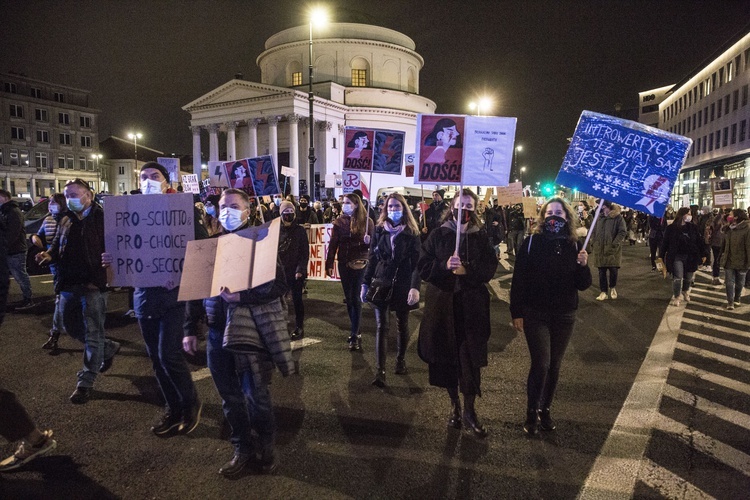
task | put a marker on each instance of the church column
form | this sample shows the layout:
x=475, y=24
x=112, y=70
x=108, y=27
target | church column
x=252, y=137
x=231, y=141
x=323, y=152
x=294, y=152
x=196, y=150
x=273, y=138
x=213, y=142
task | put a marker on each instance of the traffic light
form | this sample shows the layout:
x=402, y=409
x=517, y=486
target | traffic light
x=548, y=189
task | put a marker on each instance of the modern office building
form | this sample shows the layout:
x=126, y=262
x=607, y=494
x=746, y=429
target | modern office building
x=49, y=135
x=712, y=108
x=364, y=76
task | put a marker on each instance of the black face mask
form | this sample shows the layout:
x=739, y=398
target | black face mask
x=288, y=218
x=303, y=205
x=465, y=215
x=554, y=225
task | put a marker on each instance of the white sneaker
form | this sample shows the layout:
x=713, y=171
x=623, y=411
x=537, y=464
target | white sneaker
x=674, y=302
x=686, y=295
x=716, y=281
x=612, y=293
x=602, y=296
x=729, y=307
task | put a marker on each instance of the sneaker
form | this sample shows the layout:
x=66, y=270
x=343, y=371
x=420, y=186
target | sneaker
x=602, y=296
x=737, y=303
x=26, y=452
x=675, y=301
x=168, y=425
x=729, y=307
x=653, y=269
x=612, y=294
x=107, y=363
x=716, y=281
x=686, y=295
x=191, y=421
x=24, y=305
x=81, y=395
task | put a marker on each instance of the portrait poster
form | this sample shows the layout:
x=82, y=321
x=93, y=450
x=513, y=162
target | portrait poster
x=624, y=161
x=439, y=149
x=216, y=174
x=237, y=261
x=319, y=236
x=172, y=165
x=237, y=174
x=147, y=236
x=358, y=152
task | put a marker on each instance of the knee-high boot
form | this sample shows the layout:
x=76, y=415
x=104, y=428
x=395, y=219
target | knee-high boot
x=454, y=420
x=471, y=422
x=381, y=345
x=402, y=319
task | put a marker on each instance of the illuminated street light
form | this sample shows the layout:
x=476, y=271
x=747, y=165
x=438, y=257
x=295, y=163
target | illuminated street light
x=523, y=169
x=482, y=106
x=318, y=17
x=135, y=136
x=96, y=157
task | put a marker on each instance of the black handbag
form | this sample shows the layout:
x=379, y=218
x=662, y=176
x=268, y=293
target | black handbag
x=381, y=291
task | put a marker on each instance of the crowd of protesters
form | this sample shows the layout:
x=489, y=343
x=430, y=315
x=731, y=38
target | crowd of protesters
x=384, y=251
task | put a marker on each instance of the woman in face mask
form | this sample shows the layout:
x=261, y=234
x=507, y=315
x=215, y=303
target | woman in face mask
x=349, y=247
x=681, y=252
x=394, y=253
x=456, y=325
x=294, y=253
x=735, y=256
x=550, y=270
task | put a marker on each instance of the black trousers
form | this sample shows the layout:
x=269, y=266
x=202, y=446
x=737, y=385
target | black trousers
x=295, y=289
x=547, y=335
x=653, y=245
x=381, y=334
x=15, y=422
x=351, y=282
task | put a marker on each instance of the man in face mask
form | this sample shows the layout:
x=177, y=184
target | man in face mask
x=433, y=215
x=241, y=379
x=306, y=215
x=154, y=178
x=77, y=250
x=274, y=212
x=294, y=252
x=15, y=235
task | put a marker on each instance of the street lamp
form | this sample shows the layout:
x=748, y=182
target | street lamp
x=516, y=150
x=483, y=105
x=135, y=136
x=96, y=158
x=318, y=17
x=523, y=169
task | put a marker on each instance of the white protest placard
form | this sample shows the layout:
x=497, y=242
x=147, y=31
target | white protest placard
x=147, y=236
x=723, y=200
x=172, y=165
x=319, y=236
x=351, y=181
x=216, y=174
x=685, y=200
x=510, y=194
x=238, y=261
x=190, y=184
x=288, y=172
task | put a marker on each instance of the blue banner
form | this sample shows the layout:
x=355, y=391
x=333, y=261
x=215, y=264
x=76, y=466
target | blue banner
x=624, y=161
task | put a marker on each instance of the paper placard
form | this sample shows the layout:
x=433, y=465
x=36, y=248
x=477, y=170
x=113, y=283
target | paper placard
x=623, y=161
x=723, y=200
x=529, y=207
x=469, y=150
x=319, y=236
x=172, y=165
x=147, y=236
x=190, y=184
x=351, y=181
x=288, y=172
x=510, y=194
x=216, y=174
x=238, y=261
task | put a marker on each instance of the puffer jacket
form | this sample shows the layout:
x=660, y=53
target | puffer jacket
x=15, y=232
x=736, y=247
x=606, y=241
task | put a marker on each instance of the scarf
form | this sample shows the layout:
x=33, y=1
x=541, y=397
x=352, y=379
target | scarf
x=393, y=231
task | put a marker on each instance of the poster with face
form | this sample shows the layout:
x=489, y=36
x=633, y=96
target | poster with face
x=440, y=149
x=238, y=176
x=358, y=152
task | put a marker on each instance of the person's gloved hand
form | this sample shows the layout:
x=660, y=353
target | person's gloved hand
x=363, y=293
x=413, y=297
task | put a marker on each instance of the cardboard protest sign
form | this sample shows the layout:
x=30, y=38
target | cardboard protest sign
x=458, y=149
x=319, y=236
x=529, y=207
x=216, y=174
x=723, y=192
x=287, y=172
x=510, y=194
x=190, y=184
x=147, y=236
x=624, y=161
x=255, y=176
x=350, y=182
x=172, y=165
x=238, y=261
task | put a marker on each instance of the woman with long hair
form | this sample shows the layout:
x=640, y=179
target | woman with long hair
x=735, y=257
x=551, y=268
x=350, y=240
x=455, y=329
x=681, y=252
x=394, y=253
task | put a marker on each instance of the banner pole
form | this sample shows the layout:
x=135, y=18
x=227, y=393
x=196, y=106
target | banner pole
x=458, y=222
x=593, y=224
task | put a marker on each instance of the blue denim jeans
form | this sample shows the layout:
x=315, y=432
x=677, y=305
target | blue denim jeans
x=735, y=282
x=681, y=280
x=84, y=309
x=17, y=266
x=163, y=338
x=246, y=401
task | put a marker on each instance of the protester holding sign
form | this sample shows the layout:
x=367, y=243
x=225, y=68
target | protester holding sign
x=77, y=250
x=455, y=330
x=294, y=252
x=349, y=243
x=551, y=268
x=607, y=238
x=242, y=379
x=161, y=317
x=394, y=278
x=681, y=251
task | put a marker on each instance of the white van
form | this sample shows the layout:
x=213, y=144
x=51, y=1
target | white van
x=413, y=195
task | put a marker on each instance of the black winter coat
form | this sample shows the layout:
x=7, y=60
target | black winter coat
x=383, y=265
x=294, y=250
x=14, y=230
x=437, y=341
x=684, y=239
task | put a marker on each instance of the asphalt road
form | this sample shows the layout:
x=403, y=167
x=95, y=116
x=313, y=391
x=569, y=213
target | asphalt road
x=636, y=416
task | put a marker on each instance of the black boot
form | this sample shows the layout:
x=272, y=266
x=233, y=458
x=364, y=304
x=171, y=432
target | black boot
x=531, y=426
x=455, y=417
x=355, y=343
x=52, y=340
x=545, y=420
x=297, y=334
x=401, y=342
x=379, y=378
x=471, y=421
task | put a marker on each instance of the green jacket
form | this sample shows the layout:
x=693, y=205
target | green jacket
x=606, y=240
x=736, y=247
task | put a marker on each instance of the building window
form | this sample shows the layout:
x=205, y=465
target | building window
x=693, y=121
x=729, y=71
x=63, y=118
x=700, y=116
x=710, y=142
x=85, y=141
x=704, y=145
x=359, y=78
x=24, y=158
x=11, y=87
x=16, y=111
x=65, y=139
x=734, y=133
x=726, y=104
x=90, y=164
x=735, y=100
x=81, y=163
x=718, y=111
x=743, y=130
x=744, y=95
x=59, y=97
x=41, y=115
x=69, y=162
x=35, y=92
x=13, y=157
x=725, y=138
x=650, y=109
x=2, y=162
x=41, y=160
x=713, y=110
x=17, y=133
x=61, y=161
x=297, y=78
x=721, y=76
x=42, y=136
x=86, y=122
x=121, y=170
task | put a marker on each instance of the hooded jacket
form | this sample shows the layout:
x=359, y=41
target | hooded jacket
x=606, y=241
x=14, y=230
x=736, y=247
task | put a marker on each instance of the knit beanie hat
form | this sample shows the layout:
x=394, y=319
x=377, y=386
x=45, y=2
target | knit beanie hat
x=441, y=192
x=285, y=205
x=157, y=166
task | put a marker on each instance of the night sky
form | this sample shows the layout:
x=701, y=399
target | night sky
x=542, y=61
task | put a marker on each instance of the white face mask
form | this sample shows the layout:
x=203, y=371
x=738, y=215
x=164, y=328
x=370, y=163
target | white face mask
x=347, y=209
x=230, y=218
x=687, y=218
x=151, y=187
